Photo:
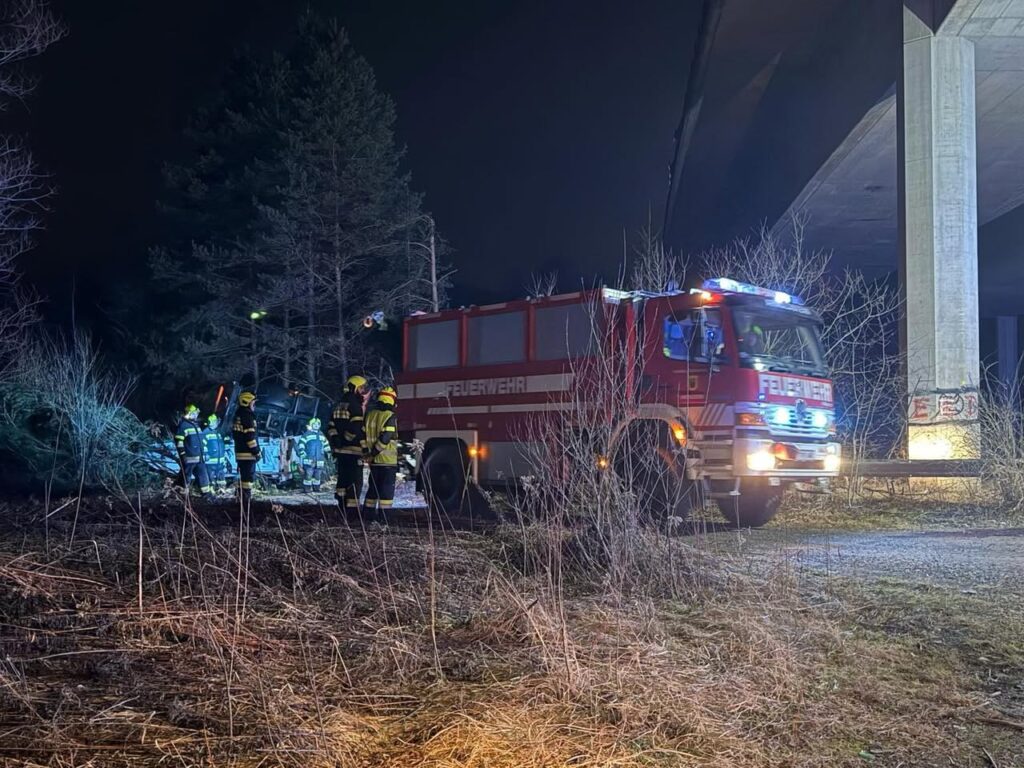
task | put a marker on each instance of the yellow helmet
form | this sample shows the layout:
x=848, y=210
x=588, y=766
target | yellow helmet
x=387, y=395
x=357, y=382
x=246, y=399
x=191, y=411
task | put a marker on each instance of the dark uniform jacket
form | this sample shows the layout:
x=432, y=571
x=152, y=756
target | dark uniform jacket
x=346, y=427
x=244, y=433
x=188, y=439
x=213, y=446
x=381, y=435
x=311, y=447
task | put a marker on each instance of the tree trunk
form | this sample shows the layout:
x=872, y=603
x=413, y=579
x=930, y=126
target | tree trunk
x=338, y=290
x=286, y=364
x=310, y=330
x=255, y=355
x=342, y=339
x=435, y=305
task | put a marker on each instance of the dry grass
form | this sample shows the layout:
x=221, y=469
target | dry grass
x=324, y=646
x=896, y=505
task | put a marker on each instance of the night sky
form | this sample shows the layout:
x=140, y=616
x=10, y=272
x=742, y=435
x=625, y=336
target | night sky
x=539, y=132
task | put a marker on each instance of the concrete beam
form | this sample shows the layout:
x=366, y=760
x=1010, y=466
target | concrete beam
x=955, y=18
x=940, y=248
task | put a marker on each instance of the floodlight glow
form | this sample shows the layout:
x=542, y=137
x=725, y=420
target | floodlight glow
x=929, y=446
x=761, y=461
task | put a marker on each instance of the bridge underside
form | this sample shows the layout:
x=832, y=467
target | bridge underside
x=851, y=203
x=896, y=132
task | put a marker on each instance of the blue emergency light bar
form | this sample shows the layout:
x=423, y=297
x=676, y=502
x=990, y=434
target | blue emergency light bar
x=728, y=285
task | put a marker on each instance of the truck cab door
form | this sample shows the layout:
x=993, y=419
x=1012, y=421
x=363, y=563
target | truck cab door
x=687, y=345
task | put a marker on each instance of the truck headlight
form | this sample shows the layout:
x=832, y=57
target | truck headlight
x=820, y=419
x=831, y=463
x=760, y=461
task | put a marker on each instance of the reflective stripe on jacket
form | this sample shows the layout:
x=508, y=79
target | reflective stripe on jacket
x=244, y=433
x=188, y=440
x=311, y=447
x=346, y=428
x=213, y=446
x=382, y=436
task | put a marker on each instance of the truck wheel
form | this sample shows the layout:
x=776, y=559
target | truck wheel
x=444, y=479
x=652, y=467
x=446, y=485
x=755, y=506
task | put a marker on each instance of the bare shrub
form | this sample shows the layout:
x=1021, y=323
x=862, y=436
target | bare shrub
x=1001, y=425
x=606, y=486
x=655, y=267
x=63, y=420
x=542, y=284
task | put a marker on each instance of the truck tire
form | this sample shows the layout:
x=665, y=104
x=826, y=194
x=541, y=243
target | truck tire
x=654, y=469
x=446, y=485
x=444, y=478
x=756, y=505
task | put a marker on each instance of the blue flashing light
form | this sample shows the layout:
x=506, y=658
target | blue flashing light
x=781, y=416
x=728, y=285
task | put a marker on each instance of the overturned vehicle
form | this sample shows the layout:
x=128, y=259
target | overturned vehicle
x=281, y=418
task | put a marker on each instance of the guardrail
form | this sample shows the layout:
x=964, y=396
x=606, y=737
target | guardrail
x=915, y=468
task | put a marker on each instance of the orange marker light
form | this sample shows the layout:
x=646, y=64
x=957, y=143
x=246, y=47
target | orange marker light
x=750, y=420
x=679, y=433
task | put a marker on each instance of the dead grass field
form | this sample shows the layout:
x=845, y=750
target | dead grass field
x=327, y=646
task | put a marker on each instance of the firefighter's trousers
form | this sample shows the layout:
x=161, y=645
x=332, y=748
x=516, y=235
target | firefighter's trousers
x=380, y=496
x=246, y=478
x=350, y=480
x=195, y=472
x=218, y=473
x=312, y=475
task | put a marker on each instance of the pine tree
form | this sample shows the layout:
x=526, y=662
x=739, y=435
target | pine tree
x=210, y=266
x=293, y=221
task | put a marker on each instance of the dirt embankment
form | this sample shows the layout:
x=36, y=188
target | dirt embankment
x=166, y=641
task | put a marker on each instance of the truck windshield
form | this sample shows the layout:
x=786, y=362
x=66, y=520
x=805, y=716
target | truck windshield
x=781, y=340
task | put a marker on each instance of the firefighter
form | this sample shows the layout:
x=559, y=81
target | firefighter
x=312, y=448
x=247, y=449
x=381, y=446
x=188, y=439
x=345, y=433
x=214, y=453
x=751, y=338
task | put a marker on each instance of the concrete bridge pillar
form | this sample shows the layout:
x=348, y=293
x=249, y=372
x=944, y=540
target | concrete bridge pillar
x=940, y=248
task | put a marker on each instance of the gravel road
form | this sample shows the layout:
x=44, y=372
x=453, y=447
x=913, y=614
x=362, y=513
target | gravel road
x=974, y=559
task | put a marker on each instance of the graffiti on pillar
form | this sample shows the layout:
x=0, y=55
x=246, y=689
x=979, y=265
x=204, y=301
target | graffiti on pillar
x=920, y=408
x=943, y=406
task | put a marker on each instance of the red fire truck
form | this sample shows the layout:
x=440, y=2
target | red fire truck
x=730, y=378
